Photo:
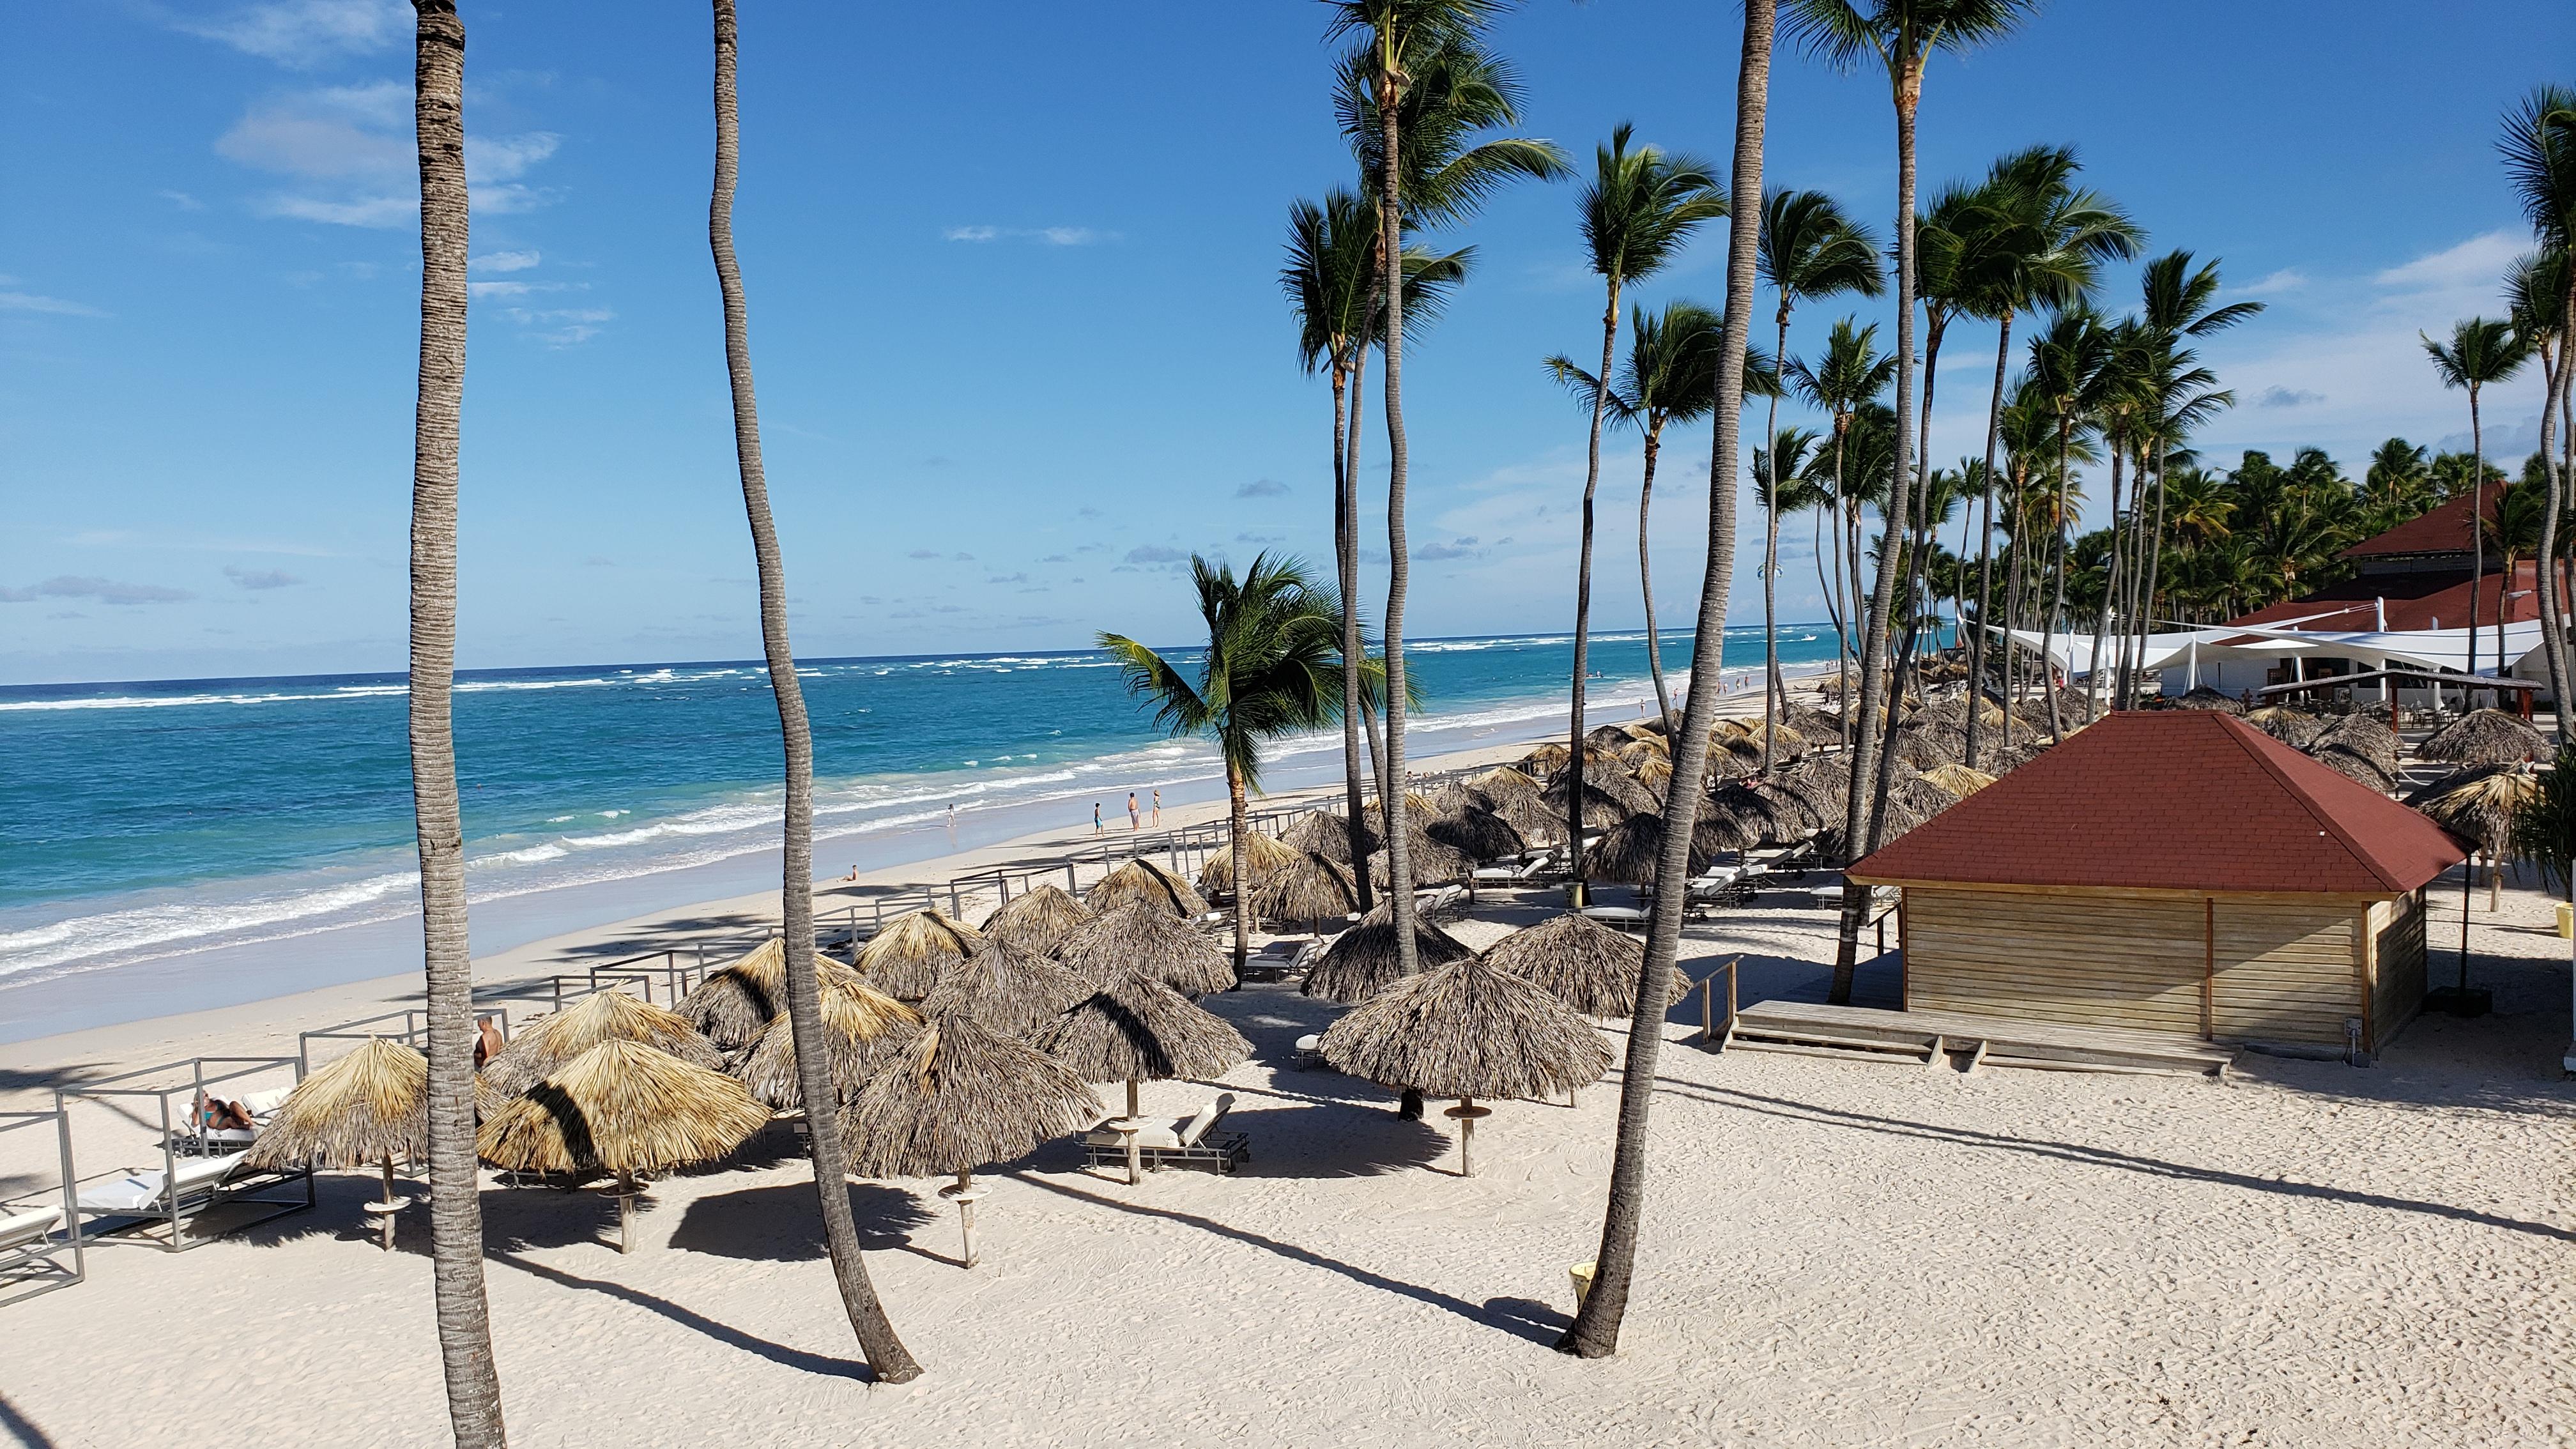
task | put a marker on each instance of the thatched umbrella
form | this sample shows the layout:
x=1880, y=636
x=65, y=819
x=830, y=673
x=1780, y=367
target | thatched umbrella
x=1545, y=761
x=1478, y=833
x=2296, y=728
x=2202, y=697
x=1637, y=752
x=2486, y=737
x=1607, y=737
x=2478, y=804
x=1604, y=804
x=2364, y=735
x=735, y=1001
x=1136, y=1029
x=1142, y=880
x=1315, y=888
x=1954, y=711
x=1741, y=814
x=1467, y=1030
x=1581, y=962
x=1006, y=989
x=364, y=1110
x=1959, y=780
x=1364, y=959
x=1431, y=862
x=1037, y=919
x=620, y=1107
x=865, y=1028
x=1811, y=723
x=602, y=1016
x=959, y=1097
x=904, y=960
x=1655, y=776
x=1630, y=851
x=2354, y=765
x=1327, y=833
x=1923, y=748
x=1146, y=938
x=1262, y=854
x=1522, y=805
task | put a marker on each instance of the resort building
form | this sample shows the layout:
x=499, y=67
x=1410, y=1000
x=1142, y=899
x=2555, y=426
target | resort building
x=2174, y=871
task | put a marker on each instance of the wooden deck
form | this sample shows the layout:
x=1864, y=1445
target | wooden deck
x=1934, y=1038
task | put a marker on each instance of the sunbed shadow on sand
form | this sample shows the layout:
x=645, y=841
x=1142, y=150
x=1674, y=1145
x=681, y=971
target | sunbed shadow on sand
x=1511, y=1315
x=683, y=933
x=2086, y=1154
x=21, y=1429
x=690, y=1318
x=780, y=1223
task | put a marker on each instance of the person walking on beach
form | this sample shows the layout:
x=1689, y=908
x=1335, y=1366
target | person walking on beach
x=1133, y=823
x=952, y=822
x=1095, y=817
x=1158, y=805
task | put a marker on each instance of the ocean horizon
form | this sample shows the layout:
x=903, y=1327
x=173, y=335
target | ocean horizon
x=162, y=818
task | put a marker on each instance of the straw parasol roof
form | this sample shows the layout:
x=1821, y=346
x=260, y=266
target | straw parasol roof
x=735, y=1001
x=1959, y=780
x=2296, y=728
x=1145, y=938
x=1009, y=990
x=1315, y=888
x=1954, y=712
x=1522, y=805
x=1637, y=752
x=369, y=1107
x=2353, y=765
x=1477, y=833
x=865, y=1028
x=1607, y=737
x=620, y=1107
x=1262, y=854
x=1501, y=783
x=602, y=1016
x=1743, y=813
x=2202, y=697
x=1924, y=748
x=1655, y=775
x=1468, y=1029
x=1544, y=761
x=2477, y=804
x=1363, y=958
x=1142, y=880
x=1431, y=862
x=1630, y=850
x=1604, y=804
x=2486, y=737
x=1035, y=920
x=1581, y=962
x=961, y=1096
x=1136, y=1029
x=904, y=960
x=1327, y=833
x=2364, y=735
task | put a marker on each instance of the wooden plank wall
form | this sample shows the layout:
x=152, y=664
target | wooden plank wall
x=2286, y=971
x=2402, y=967
x=2084, y=960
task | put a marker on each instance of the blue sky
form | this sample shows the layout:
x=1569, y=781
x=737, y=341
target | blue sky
x=1014, y=311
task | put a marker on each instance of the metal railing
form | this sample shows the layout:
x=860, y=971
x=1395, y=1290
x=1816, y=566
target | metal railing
x=413, y=1031
x=19, y=1269
x=174, y=1204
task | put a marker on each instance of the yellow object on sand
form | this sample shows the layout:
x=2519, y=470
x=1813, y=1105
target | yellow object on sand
x=2566, y=922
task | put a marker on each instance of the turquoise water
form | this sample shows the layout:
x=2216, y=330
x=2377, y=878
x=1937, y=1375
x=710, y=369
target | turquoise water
x=148, y=820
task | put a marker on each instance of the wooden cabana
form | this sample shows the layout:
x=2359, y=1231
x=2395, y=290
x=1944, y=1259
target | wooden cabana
x=2176, y=871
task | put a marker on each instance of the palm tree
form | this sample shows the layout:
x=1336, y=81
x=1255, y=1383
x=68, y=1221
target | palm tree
x=455, y=1207
x=1851, y=374
x=2398, y=476
x=1595, y=1330
x=1809, y=251
x=1330, y=279
x=2539, y=149
x=2179, y=302
x=1638, y=211
x=2481, y=351
x=1398, y=37
x=2538, y=305
x=1269, y=667
x=885, y=1352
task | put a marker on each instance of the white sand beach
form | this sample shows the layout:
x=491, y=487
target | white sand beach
x=1837, y=1253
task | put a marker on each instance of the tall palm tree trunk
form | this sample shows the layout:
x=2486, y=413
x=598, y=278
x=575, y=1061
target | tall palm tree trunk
x=1360, y=847
x=1595, y=1330
x=2057, y=594
x=1399, y=573
x=1986, y=554
x=1839, y=608
x=455, y=1206
x=1873, y=635
x=2478, y=541
x=1238, y=824
x=1346, y=565
x=2553, y=632
x=1583, y=591
x=1775, y=690
x=2155, y=572
x=885, y=1352
x=1646, y=578
x=2110, y=592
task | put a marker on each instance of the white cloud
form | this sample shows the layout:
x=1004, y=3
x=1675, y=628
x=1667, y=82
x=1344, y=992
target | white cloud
x=2288, y=279
x=490, y=159
x=2478, y=263
x=505, y=261
x=50, y=306
x=481, y=290
x=369, y=211
x=1054, y=236
x=361, y=137
x=260, y=578
x=183, y=201
x=972, y=233
x=302, y=33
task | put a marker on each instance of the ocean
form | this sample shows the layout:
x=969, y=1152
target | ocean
x=151, y=821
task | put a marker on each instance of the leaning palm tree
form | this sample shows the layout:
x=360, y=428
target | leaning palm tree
x=1595, y=1330
x=1785, y=455
x=455, y=1209
x=1847, y=378
x=1639, y=210
x=1810, y=251
x=2539, y=148
x=885, y=1352
x=2539, y=311
x=1901, y=35
x=1274, y=638
x=1397, y=37
x=2481, y=351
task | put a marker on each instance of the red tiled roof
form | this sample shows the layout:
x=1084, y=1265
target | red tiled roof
x=2179, y=799
x=2411, y=601
x=2443, y=529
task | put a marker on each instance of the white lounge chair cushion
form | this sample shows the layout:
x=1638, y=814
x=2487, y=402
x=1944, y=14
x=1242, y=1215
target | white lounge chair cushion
x=1313, y=1042
x=141, y=1191
x=1157, y=1135
x=1197, y=1127
x=21, y=1226
x=262, y=1105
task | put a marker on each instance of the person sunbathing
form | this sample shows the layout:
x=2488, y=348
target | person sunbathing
x=216, y=1114
x=487, y=1042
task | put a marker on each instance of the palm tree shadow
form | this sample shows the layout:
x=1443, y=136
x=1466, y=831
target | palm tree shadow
x=725, y=1333
x=1512, y=1315
x=21, y=1429
x=782, y=1224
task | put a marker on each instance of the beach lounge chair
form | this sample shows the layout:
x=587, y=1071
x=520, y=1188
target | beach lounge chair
x=203, y=1141
x=1626, y=918
x=40, y=1245
x=1531, y=867
x=1190, y=1139
x=1275, y=961
x=1310, y=1051
x=1440, y=900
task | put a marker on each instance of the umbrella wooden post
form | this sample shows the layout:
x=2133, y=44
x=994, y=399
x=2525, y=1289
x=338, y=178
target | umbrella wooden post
x=383, y=1211
x=965, y=1194
x=1465, y=1115
x=625, y=1212
x=1127, y=1130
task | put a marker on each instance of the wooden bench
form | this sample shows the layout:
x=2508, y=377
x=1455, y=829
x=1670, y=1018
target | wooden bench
x=1929, y=1038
